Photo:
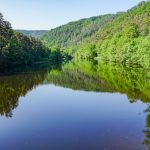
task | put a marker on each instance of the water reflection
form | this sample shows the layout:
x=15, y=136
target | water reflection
x=85, y=76
x=14, y=86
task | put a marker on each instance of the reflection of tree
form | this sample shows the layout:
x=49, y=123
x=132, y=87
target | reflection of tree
x=77, y=80
x=134, y=82
x=81, y=76
x=88, y=76
x=131, y=81
x=105, y=77
x=14, y=86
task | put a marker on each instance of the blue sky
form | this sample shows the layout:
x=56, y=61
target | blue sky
x=47, y=14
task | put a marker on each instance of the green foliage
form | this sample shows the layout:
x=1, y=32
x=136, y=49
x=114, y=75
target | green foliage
x=67, y=37
x=125, y=40
x=18, y=49
x=121, y=38
x=88, y=50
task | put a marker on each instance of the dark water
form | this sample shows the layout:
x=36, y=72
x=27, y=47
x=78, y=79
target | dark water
x=81, y=106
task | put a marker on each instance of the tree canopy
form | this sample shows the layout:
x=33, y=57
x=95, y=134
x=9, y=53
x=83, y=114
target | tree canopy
x=18, y=49
x=120, y=38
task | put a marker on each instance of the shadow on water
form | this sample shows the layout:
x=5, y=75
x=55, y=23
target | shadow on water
x=86, y=76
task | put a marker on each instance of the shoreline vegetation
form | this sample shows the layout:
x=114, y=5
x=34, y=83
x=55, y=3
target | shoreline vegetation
x=122, y=38
x=16, y=49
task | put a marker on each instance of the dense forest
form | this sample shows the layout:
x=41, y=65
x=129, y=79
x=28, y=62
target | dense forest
x=68, y=36
x=18, y=49
x=120, y=38
x=126, y=39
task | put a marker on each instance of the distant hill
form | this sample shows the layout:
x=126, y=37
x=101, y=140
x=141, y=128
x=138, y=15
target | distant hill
x=33, y=33
x=73, y=33
x=120, y=38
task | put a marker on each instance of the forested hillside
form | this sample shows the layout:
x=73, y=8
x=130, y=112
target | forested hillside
x=69, y=36
x=126, y=40
x=33, y=33
x=121, y=38
x=18, y=49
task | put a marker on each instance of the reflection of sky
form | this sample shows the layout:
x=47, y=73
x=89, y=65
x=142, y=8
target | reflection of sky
x=46, y=14
x=56, y=118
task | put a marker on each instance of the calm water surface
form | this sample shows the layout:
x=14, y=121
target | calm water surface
x=59, y=110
